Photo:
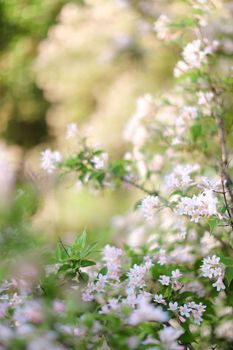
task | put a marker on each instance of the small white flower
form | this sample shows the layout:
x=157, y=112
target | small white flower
x=185, y=310
x=158, y=298
x=112, y=257
x=100, y=161
x=136, y=276
x=162, y=258
x=189, y=113
x=147, y=312
x=164, y=280
x=71, y=130
x=161, y=27
x=176, y=274
x=219, y=284
x=168, y=338
x=204, y=97
x=88, y=293
x=211, y=267
x=194, y=55
x=173, y=306
x=148, y=206
x=50, y=159
x=203, y=205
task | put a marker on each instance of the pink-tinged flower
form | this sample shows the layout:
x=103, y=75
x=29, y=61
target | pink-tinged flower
x=219, y=284
x=185, y=310
x=173, y=306
x=162, y=28
x=3, y=308
x=203, y=205
x=80, y=331
x=158, y=298
x=58, y=306
x=212, y=268
x=162, y=258
x=176, y=274
x=147, y=312
x=164, y=280
x=168, y=338
x=88, y=293
x=149, y=205
x=136, y=276
x=112, y=257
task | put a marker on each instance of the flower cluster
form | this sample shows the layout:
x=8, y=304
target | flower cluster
x=180, y=177
x=149, y=206
x=195, y=55
x=161, y=27
x=151, y=290
x=213, y=269
x=196, y=207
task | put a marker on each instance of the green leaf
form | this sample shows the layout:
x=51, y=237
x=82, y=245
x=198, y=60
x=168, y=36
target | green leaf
x=80, y=241
x=187, y=337
x=64, y=267
x=60, y=253
x=229, y=274
x=213, y=223
x=103, y=271
x=85, y=263
x=183, y=23
x=83, y=276
x=196, y=131
x=88, y=250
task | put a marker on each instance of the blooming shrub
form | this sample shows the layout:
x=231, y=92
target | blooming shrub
x=172, y=291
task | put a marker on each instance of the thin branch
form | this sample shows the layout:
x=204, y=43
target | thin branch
x=226, y=204
x=225, y=177
x=140, y=187
x=224, y=159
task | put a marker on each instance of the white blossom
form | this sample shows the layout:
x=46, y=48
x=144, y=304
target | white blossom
x=161, y=27
x=100, y=161
x=197, y=206
x=176, y=274
x=88, y=293
x=205, y=100
x=173, y=306
x=168, y=338
x=162, y=258
x=194, y=55
x=50, y=160
x=219, y=284
x=148, y=206
x=71, y=131
x=164, y=280
x=112, y=257
x=185, y=310
x=158, y=298
x=136, y=276
x=135, y=132
x=189, y=113
x=211, y=267
x=180, y=177
x=147, y=312
x=131, y=298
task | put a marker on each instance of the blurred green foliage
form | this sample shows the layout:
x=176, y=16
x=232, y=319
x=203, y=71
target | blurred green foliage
x=23, y=25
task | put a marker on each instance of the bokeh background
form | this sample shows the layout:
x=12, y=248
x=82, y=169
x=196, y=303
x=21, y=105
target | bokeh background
x=75, y=61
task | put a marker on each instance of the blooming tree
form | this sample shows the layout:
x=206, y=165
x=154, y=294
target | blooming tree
x=173, y=290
